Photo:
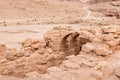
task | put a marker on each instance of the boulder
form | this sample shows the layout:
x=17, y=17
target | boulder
x=112, y=43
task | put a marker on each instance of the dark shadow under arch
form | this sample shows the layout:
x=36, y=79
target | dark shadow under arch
x=64, y=44
x=74, y=45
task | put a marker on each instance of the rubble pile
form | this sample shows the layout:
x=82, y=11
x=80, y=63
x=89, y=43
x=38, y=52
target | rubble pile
x=76, y=55
x=104, y=41
x=33, y=56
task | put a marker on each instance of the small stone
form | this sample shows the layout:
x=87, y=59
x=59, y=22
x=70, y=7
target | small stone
x=115, y=35
x=35, y=46
x=99, y=34
x=88, y=47
x=49, y=50
x=103, y=51
x=35, y=41
x=108, y=37
x=41, y=51
x=19, y=65
x=3, y=60
x=57, y=28
x=10, y=55
x=84, y=33
x=100, y=65
x=71, y=65
x=109, y=30
x=82, y=52
x=27, y=54
x=112, y=43
x=19, y=54
x=97, y=40
x=54, y=69
x=26, y=43
x=70, y=57
x=91, y=78
x=32, y=74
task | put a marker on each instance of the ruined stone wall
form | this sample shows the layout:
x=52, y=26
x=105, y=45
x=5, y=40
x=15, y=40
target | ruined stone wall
x=57, y=35
x=35, y=56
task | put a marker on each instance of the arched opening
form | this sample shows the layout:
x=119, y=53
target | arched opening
x=75, y=43
x=72, y=43
x=65, y=44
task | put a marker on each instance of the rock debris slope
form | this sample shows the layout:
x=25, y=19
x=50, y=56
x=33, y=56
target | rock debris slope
x=66, y=54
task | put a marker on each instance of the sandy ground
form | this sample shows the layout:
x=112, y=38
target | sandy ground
x=28, y=9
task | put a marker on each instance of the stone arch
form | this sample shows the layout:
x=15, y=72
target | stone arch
x=75, y=43
x=64, y=43
x=72, y=45
x=74, y=39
